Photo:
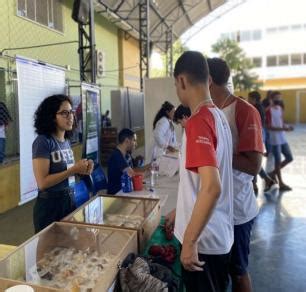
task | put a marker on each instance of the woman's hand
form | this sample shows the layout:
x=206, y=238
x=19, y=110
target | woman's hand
x=82, y=167
x=90, y=166
x=172, y=149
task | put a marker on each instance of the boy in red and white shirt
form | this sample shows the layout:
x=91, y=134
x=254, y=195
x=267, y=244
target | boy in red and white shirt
x=204, y=212
x=246, y=128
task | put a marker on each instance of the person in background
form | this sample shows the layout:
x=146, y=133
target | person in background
x=79, y=120
x=204, y=211
x=5, y=119
x=181, y=115
x=278, y=141
x=106, y=121
x=245, y=124
x=254, y=99
x=121, y=161
x=163, y=131
x=53, y=161
x=267, y=101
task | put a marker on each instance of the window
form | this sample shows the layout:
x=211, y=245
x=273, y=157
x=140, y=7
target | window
x=225, y=36
x=283, y=28
x=296, y=27
x=271, y=30
x=233, y=36
x=45, y=12
x=256, y=35
x=283, y=60
x=271, y=61
x=245, y=36
x=257, y=62
x=296, y=59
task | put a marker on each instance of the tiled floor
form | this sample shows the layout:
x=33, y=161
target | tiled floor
x=278, y=247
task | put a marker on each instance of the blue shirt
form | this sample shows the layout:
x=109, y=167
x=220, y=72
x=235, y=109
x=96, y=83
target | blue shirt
x=59, y=154
x=116, y=164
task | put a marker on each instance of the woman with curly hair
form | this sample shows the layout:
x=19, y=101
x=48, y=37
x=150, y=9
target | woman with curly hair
x=163, y=131
x=53, y=162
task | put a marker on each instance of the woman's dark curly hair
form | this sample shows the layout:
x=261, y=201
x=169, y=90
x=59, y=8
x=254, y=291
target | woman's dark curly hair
x=163, y=112
x=45, y=115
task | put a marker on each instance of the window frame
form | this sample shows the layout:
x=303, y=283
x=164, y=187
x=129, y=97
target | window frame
x=276, y=61
x=23, y=14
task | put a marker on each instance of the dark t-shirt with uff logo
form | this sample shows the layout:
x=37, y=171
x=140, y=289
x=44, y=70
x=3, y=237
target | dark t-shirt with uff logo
x=59, y=154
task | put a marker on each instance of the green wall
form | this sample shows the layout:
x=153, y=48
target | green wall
x=19, y=32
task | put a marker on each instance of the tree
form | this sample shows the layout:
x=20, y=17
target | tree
x=178, y=49
x=239, y=64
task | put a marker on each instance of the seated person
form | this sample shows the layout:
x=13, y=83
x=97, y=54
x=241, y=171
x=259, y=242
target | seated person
x=121, y=160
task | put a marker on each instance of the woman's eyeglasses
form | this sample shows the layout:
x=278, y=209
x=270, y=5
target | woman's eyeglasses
x=66, y=114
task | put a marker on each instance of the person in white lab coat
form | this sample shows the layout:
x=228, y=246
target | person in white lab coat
x=164, y=137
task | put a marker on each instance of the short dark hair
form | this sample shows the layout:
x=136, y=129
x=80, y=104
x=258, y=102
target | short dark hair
x=181, y=112
x=255, y=95
x=45, y=115
x=125, y=134
x=218, y=70
x=274, y=93
x=194, y=65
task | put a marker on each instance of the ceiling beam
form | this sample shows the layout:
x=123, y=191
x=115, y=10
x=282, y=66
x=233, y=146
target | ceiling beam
x=209, y=5
x=185, y=12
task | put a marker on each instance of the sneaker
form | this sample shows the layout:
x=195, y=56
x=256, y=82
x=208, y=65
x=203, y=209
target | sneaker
x=272, y=185
x=285, y=188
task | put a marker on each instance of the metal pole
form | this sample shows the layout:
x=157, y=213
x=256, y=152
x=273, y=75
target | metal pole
x=92, y=42
x=144, y=40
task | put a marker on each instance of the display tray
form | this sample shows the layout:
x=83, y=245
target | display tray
x=69, y=257
x=139, y=214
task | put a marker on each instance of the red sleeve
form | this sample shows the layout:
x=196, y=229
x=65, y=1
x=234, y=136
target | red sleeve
x=201, y=143
x=268, y=117
x=249, y=128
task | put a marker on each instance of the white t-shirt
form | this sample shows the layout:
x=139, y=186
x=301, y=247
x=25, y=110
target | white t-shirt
x=2, y=131
x=206, y=142
x=245, y=124
x=164, y=136
x=274, y=117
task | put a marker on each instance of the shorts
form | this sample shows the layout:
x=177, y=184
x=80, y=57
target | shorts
x=284, y=149
x=241, y=248
x=213, y=278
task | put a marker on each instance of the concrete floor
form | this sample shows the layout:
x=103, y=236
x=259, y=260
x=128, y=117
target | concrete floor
x=278, y=257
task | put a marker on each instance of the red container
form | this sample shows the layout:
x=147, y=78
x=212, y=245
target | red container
x=137, y=182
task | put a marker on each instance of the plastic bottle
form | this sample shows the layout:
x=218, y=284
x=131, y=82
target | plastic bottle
x=155, y=166
x=154, y=173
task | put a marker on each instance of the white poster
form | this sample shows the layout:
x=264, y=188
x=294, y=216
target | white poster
x=91, y=121
x=36, y=81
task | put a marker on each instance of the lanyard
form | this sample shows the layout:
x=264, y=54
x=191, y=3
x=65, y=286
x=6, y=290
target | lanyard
x=71, y=179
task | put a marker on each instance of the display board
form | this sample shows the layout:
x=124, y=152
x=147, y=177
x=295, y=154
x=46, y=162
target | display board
x=91, y=121
x=36, y=81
